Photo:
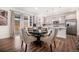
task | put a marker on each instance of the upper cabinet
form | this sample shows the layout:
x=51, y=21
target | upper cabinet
x=70, y=16
x=61, y=19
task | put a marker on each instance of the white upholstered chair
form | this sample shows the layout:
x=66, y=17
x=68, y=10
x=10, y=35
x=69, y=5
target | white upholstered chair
x=26, y=38
x=50, y=38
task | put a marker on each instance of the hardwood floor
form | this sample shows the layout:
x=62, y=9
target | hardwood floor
x=62, y=45
x=66, y=45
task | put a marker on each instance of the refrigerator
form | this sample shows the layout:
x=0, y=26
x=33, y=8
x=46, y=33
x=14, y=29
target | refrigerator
x=71, y=27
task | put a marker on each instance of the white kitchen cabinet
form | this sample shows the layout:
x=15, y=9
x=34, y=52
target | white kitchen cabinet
x=70, y=16
x=61, y=19
x=61, y=33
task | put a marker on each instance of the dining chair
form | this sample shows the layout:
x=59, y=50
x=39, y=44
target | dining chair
x=44, y=29
x=50, y=38
x=26, y=38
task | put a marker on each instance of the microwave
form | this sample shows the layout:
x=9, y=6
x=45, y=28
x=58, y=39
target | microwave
x=55, y=22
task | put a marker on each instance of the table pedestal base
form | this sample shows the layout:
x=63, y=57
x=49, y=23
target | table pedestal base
x=38, y=43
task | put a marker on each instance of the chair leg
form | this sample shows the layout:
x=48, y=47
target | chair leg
x=21, y=44
x=54, y=45
x=25, y=47
x=51, y=47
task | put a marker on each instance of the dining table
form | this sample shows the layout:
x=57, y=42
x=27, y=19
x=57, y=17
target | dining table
x=38, y=34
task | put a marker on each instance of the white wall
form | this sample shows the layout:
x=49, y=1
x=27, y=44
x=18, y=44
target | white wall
x=4, y=30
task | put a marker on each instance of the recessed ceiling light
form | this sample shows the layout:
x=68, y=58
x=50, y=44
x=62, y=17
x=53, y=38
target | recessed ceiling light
x=36, y=8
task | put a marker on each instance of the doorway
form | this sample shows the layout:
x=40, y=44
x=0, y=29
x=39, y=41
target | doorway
x=17, y=25
x=15, y=28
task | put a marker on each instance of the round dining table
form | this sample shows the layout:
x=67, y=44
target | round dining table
x=38, y=34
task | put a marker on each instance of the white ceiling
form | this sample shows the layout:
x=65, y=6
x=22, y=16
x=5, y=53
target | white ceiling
x=48, y=10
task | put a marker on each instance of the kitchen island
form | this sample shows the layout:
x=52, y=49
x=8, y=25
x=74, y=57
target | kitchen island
x=61, y=31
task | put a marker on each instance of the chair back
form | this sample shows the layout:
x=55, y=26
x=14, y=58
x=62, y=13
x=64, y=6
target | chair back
x=24, y=35
x=44, y=29
x=53, y=34
x=50, y=36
